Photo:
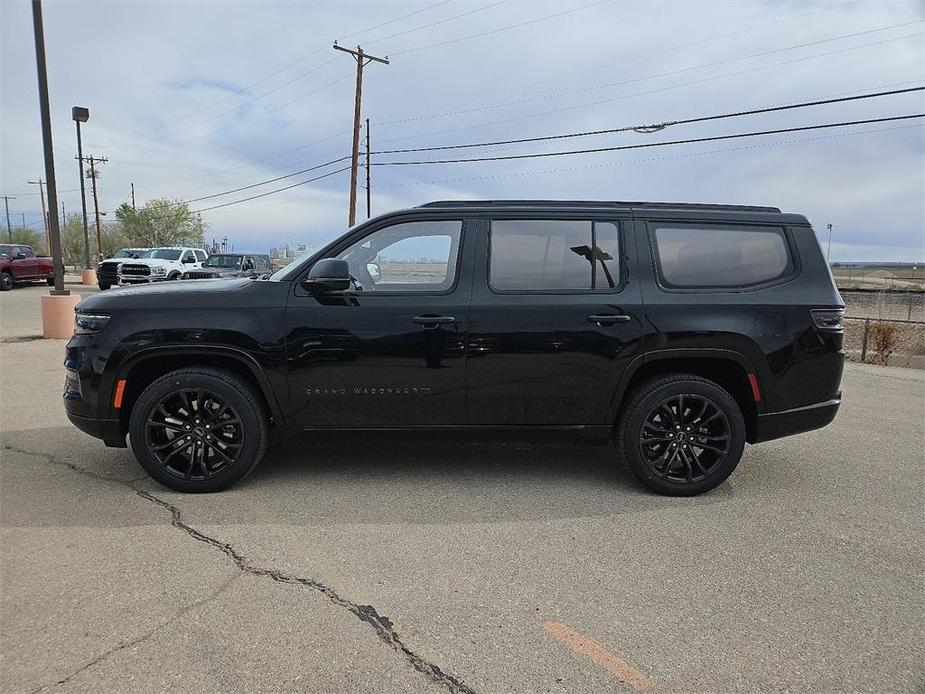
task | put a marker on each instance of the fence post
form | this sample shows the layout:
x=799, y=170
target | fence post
x=909, y=307
x=864, y=341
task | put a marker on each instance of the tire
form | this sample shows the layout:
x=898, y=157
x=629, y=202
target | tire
x=672, y=445
x=50, y=281
x=173, y=276
x=6, y=281
x=217, y=457
x=104, y=286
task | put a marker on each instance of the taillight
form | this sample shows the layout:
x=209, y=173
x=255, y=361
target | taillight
x=831, y=319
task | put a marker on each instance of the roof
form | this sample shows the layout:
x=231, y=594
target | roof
x=578, y=204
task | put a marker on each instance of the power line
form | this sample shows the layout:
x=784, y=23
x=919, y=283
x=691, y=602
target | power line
x=570, y=92
x=500, y=29
x=625, y=162
x=620, y=97
x=271, y=180
x=507, y=157
x=804, y=104
x=433, y=24
x=271, y=192
x=646, y=129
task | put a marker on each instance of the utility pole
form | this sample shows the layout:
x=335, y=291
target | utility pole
x=9, y=229
x=369, y=200
x=54, y=237
x=363, y=59
x=829, y=248
x=92, y=175
x=41, y=184
x=133, y=197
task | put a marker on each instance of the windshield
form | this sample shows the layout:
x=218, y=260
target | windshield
x=223, y=261
x=132, y=253
x=283, y=271
x=165, y=253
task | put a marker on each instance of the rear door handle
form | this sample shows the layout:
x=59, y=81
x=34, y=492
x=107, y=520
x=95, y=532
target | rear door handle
x=608, y=318
x=432, y=321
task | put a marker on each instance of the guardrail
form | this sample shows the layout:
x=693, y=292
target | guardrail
x=868, y=321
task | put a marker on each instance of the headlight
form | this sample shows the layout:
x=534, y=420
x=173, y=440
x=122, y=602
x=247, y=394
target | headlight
x=89, y=323
x=159, y=271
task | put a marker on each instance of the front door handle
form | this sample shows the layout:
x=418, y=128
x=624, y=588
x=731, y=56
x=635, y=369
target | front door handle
x=433, y=321
x=608, y=318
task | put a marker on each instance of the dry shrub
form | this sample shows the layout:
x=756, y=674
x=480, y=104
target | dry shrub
x=882, y=341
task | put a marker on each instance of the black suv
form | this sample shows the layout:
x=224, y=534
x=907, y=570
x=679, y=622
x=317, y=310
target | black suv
x=679, y=331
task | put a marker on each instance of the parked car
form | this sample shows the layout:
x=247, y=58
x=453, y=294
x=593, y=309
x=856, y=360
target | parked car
x=161, y=264
x=225, y=265
x=19, y=263
x=107, y=272
x=680, y=332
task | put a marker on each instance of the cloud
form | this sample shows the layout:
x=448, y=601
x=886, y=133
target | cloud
x=190, y=99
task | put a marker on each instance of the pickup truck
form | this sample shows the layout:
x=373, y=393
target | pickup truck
x=161, y=264
x=19, y=263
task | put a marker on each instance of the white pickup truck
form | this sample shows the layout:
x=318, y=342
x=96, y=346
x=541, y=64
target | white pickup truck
x=161, y=264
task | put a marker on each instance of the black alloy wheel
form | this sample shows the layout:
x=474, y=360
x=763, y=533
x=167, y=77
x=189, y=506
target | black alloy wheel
x=681, y=434
x=684, y=437
x=199, y=429
x=194, y=434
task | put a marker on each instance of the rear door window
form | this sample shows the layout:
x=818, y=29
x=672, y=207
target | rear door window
x=554, y=255
x=721, y=256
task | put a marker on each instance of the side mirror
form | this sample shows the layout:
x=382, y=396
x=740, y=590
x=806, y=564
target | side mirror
x=19, y=256
x=375, y=272
x=328, y=275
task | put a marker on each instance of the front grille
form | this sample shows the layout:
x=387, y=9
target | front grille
x=199, y=276
x=107, y=272
x=134, y=270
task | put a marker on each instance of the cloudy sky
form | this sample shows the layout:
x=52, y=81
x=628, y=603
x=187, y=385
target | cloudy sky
x=192, y=99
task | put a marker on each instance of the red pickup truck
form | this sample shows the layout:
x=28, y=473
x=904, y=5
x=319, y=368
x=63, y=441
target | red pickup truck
x=19, y=263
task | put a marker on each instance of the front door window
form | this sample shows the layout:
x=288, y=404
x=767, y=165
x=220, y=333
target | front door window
x=409, y=257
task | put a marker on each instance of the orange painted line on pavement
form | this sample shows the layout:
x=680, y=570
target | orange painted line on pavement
x=599, y=655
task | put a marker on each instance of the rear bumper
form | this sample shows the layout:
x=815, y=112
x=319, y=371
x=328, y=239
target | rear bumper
x=109, y=430
x=775, y=425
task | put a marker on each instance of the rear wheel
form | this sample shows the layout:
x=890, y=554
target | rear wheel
x=198, y=430
x=6, y=281
x=682, y=435
x=104, y=286
x=50, y=281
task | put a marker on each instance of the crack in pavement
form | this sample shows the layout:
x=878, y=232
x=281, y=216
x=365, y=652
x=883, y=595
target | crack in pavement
x=144, y=637
x=381, y=624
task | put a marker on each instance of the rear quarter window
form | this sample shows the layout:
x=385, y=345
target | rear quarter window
x=721, y=256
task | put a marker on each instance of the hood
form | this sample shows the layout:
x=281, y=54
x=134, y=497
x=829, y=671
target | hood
x=152, y=262
x=216, y=271
x=160, y=294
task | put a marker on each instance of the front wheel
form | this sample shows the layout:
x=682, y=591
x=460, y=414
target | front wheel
x=50, y=281
x=6, y=281
x=104, y=286
x=682, y=434
x=198, y=429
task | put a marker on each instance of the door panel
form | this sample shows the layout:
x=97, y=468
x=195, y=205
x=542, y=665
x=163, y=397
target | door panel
x=384, y=355
x=552, y=359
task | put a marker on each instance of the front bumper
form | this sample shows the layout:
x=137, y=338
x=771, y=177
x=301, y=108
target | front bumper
x=775, y=425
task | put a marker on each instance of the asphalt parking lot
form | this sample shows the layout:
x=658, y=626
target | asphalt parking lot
x=391, y=567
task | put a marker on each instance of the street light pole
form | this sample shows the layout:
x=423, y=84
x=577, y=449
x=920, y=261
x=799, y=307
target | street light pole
x=82, y=115
x=829, y=248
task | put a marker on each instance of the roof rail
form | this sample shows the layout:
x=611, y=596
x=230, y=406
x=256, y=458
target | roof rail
x=597, y=203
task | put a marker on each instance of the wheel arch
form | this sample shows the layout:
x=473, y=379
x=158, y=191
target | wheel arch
x=729, y=369
x=145, y=366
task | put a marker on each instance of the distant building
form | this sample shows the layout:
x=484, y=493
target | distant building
x=290, y=250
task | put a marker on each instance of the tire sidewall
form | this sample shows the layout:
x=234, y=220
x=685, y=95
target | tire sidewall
x=643, y=407
x=252, y=420
x=6, y=282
